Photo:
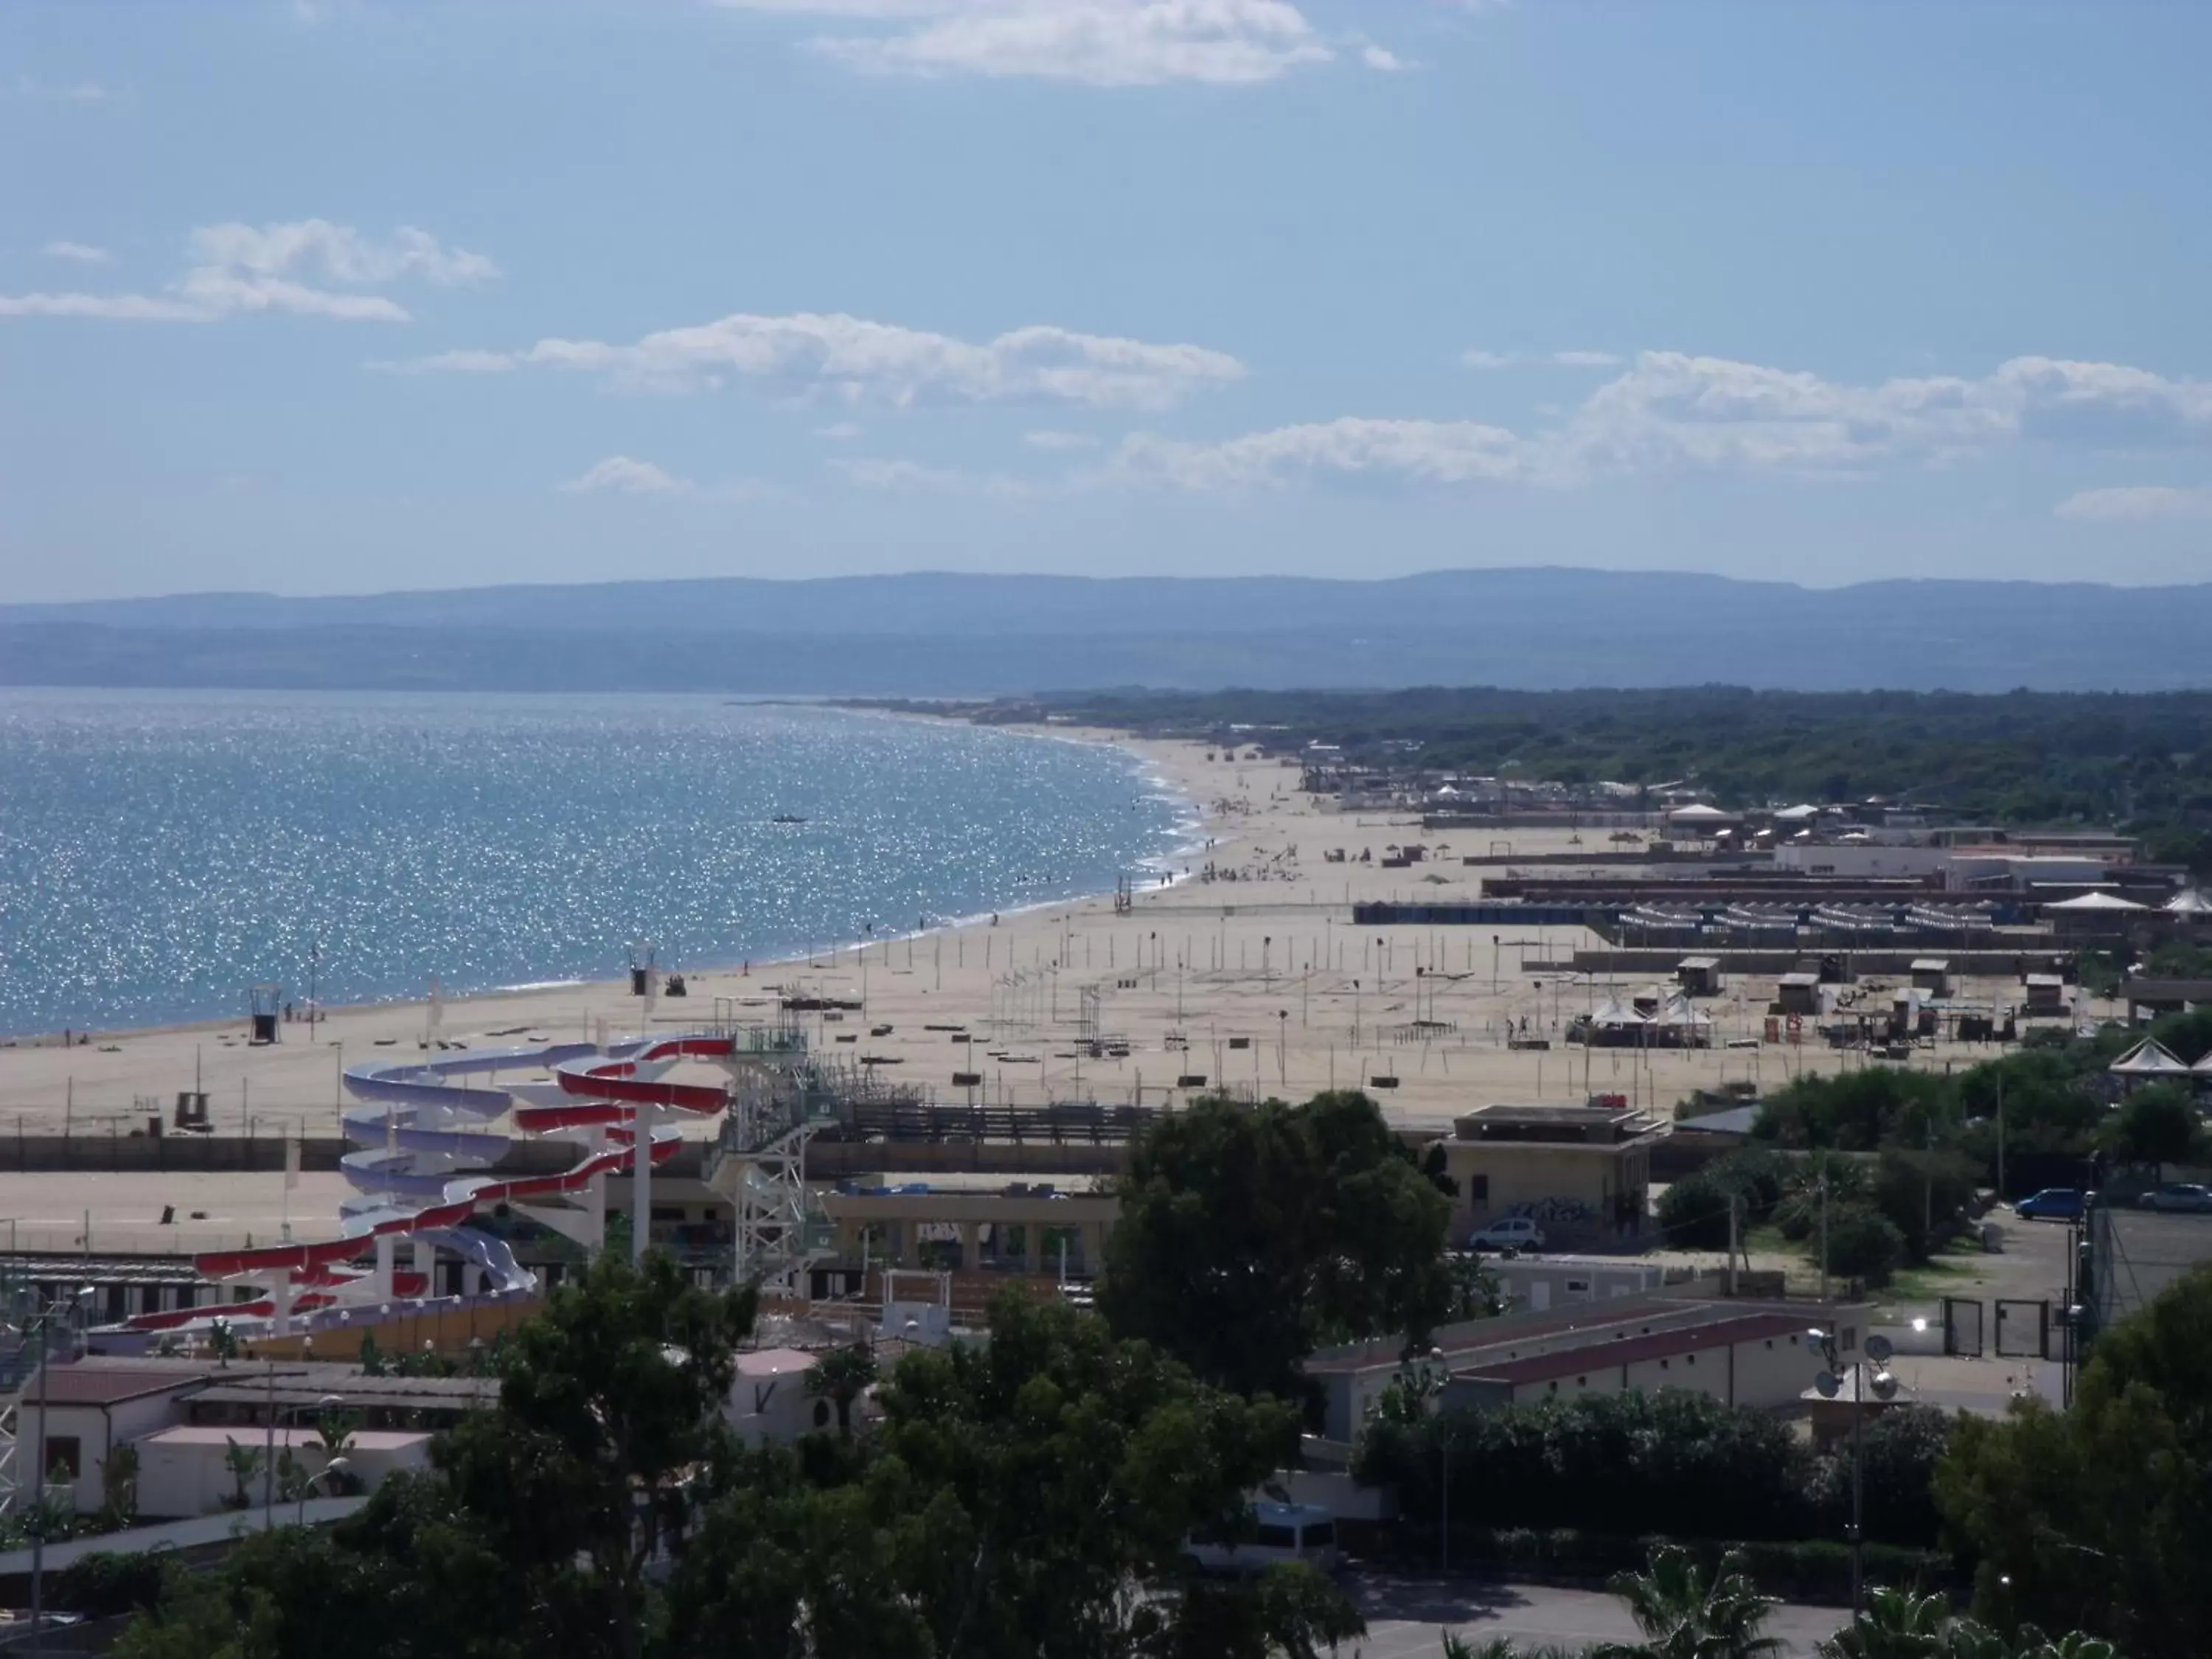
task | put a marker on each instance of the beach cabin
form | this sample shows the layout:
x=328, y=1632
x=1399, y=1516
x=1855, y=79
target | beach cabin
x=1932, y=976
x=1700, y=976
x=1798, y=993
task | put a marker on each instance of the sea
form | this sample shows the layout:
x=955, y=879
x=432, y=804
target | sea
x=162, y=852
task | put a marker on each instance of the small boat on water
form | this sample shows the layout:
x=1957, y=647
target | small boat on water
x=786, y=817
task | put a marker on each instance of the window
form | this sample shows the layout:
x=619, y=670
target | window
x=1665, y=1365
x=1582, y=1382
x=1277, y=1538
x=1577, y=1285
x=1690, y=1359
x=1318, y=1535
x=63, y=1457
x=821, y=1414
x=1478, y=1189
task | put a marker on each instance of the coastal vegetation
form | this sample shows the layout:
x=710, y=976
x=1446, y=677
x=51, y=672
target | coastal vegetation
x=2022, y=758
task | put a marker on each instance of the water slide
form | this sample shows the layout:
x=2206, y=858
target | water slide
x=426, y=1134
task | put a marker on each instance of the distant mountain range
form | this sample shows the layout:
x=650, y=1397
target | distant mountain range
x=941, y=635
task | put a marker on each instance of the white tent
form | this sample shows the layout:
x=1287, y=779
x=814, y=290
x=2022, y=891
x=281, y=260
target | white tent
x=2148, y=1059
x=2189, y=903
x=2110, y=902
x=1699, y=812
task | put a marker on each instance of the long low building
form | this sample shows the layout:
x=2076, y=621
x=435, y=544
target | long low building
x=1746, y=1352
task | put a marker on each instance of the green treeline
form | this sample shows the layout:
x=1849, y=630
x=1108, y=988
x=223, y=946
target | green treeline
x=2022, y=758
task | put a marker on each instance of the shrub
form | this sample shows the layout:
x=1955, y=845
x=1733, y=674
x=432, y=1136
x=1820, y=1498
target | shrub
x=1863, y=1243
x=1694, y=1214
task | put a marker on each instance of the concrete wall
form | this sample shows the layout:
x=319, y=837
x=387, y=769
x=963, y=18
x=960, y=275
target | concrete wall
x=1768, y=1373
x=1527, y=1172
x=179, y=1477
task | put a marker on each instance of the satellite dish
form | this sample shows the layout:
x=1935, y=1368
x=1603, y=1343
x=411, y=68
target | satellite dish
x=1879, y=1350
x=1826, y=1383
x=1885, y=1386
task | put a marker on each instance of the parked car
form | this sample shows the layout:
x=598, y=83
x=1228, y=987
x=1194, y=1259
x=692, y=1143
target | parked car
x=1280, y=1532
x=2183, y=1195
x=1507, y=1233
x=2053, y=1204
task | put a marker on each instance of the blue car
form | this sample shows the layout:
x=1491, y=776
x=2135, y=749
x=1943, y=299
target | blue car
x=2053, y=1204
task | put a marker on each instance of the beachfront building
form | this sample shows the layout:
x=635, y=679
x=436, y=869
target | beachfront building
x=1055, y=1228
x=1566, y=1165
x=1744, y=1351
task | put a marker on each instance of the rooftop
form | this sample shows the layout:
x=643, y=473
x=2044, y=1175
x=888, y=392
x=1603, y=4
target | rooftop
x=1629, y=1351
x=1565, y=1125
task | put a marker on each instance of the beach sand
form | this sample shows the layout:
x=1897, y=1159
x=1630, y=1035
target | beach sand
x=1266, y=980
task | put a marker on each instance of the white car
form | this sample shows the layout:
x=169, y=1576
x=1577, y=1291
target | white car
x=1280, y=1532
x=1512, y=1232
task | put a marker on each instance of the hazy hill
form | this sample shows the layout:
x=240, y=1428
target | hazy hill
x=931, y=634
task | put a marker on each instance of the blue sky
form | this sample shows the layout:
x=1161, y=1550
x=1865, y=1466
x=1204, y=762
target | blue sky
x=353, y=296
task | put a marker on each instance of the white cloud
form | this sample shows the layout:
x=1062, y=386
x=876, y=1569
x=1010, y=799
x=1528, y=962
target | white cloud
x=1101, y=43
x=1379, y=57
x=880, y=362
x=1479, y=358
x=1672, y=411
x=309, y=267
x=840, y=432
x=1425, y=452
x=1049, y=440
x=65, y=92
x=2138, y=501
x=82, y=253
x=624, y=475
x=877, y=473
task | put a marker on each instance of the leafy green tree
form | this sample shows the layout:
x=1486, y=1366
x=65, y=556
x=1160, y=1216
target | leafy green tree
x=119, y=1488
x=1863, y=1243
x=1249, y=1235
x=2154, y=1126
x=841, y=1377
x=1686, y=1613
x=244, y=1463
x=1032, y=1495
x=609, y=1397
x=1694, y=1214
x=2099, y=1518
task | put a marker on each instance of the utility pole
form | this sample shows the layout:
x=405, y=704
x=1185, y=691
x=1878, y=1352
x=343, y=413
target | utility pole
x=1824, y=1238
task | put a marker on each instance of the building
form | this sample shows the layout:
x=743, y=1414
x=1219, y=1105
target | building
x=1760, y=1360
x=187, y=1470
x=1700, y=976
x=769, y=1401
x=1932, y=976
x=1563, y=1163
x=93, y=1406
x=1539, y=1283
x=1044, y=1228
x=1750, y=1352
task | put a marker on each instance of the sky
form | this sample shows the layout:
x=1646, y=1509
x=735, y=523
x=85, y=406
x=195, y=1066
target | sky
x=346, y=297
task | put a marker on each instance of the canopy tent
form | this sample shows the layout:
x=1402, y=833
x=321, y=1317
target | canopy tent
x=2148, y=1059
x=2189, y=903
x=1699, y=812
x=2111, y=902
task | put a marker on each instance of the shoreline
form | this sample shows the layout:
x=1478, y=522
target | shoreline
x=1152, y=770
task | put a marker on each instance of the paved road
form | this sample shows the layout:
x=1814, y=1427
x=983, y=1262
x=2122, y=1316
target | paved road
x=1406, y=1618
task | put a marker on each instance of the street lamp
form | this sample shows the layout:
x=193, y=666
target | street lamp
x=42, y=1327
x=1884, y=1387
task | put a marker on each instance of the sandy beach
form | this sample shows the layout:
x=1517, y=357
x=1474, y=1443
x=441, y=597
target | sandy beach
x=1254, y=980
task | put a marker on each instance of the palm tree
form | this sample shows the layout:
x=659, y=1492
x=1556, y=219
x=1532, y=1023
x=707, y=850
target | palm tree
x=1499, y=1647
x=1686, y=1613
x=1895, y=1624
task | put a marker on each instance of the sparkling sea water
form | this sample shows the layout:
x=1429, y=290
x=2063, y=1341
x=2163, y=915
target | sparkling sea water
x=160, y=851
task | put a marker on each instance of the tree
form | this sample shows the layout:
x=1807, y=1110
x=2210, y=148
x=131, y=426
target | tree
x=1249, y=1235
x=1694, y=1214
x=1032, y=1495
x=2099, y=1518
x=1863, y=1243
x=1895, y=1624
x=841, y=1377
x=119, y=1487
x=609, y=1397
x=244, y=1463
x=1686, y=1613
x=2157, y=1126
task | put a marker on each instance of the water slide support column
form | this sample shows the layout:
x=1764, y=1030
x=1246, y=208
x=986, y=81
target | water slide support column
x=424, y=1260
x=641, y=1123
x=388, y=1253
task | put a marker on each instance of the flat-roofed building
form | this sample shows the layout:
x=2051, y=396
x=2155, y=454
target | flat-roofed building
x=1562, y=1162
x=955, y=1226
x=1752, y=1353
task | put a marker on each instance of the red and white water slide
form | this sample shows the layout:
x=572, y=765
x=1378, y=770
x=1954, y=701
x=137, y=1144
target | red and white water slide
x=424, y=1132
